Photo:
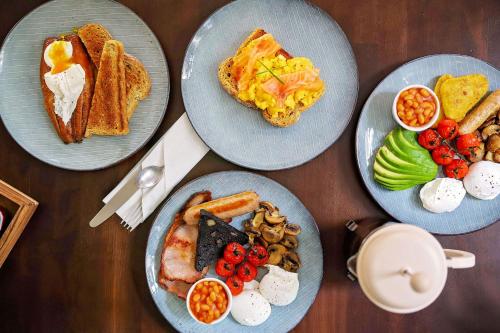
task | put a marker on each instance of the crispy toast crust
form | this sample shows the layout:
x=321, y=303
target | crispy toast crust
x=108, y=112
x=229, y=84
x=138, y=82
x=74, y=130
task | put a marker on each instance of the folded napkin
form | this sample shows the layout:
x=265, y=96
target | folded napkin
x=179, y=150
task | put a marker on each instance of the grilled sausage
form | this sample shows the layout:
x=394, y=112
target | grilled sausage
x=224, y=208
x=475, y=118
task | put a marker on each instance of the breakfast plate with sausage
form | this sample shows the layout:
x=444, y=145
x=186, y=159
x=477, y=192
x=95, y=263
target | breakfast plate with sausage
x=234, y=251
x=267, y=92
x=82, y=92
x=428, y=139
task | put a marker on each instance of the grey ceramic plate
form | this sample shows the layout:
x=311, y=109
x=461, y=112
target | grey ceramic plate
x=21, y=101
x=282, y=319
x=240, y=134
x=376, y=122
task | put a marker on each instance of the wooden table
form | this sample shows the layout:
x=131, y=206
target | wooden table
x=63, y=276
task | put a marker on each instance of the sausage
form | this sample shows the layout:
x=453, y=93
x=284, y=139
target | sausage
x=225, y=207
x=475, y=118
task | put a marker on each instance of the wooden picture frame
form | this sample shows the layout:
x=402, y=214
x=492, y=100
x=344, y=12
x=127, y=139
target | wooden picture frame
x=26, y=206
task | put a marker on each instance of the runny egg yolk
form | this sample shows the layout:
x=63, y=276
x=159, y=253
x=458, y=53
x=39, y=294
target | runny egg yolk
x=60, y=58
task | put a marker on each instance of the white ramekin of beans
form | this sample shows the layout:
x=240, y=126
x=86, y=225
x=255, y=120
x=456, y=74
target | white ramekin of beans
x=416, y=108
x=209, y=301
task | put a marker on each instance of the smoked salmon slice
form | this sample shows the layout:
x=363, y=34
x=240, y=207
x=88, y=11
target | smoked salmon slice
x=306, y=79
x=244, y=62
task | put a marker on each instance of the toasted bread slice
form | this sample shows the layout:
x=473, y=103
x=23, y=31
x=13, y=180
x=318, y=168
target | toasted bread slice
x=74, y=130
x=108, y=115
x=138, y=82
x=229, y=84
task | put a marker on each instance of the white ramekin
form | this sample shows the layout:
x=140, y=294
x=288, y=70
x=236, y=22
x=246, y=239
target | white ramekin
x=229, y=300
x=411, y=128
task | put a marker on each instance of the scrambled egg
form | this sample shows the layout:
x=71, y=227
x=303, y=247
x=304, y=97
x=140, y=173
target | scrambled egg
x=279, y=65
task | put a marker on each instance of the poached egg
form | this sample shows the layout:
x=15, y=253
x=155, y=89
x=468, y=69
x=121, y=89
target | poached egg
x=442, y=195
x=483, y=180
x=279, y=287
x=65, y=79
x=250, y=308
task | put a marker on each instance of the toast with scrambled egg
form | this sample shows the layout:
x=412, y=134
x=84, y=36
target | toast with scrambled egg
x=138, y=82
x=108, y=111
x=263, y=76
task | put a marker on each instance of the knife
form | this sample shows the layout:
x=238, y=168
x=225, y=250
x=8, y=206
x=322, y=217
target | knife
x=116, y=202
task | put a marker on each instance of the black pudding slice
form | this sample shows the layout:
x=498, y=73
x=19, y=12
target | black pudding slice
x=213, y=235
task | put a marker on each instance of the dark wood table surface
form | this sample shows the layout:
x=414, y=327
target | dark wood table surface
x=63, y=276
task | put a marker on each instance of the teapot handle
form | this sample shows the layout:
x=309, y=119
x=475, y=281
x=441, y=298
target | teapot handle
x=351, y=266
x=459, y=259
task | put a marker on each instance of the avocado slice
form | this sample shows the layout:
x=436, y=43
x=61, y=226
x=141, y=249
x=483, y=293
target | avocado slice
x=392, y=159
x=408, y=153
x=395, y=168
x=399, y=176
x=394, y=187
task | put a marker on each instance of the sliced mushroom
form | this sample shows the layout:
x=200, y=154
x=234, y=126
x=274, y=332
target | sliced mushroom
x=262, y=242
x=275, y=252
x=251, y=238
x=258, y=218
x=290, y=242
x=490, y=130
x=268, y=206
x=274, y=217
x=488, y=156
x=290, y=261
x=477, y=155
x=292, y=229
x=272, y=234
x=493, y=143
x=496, y=157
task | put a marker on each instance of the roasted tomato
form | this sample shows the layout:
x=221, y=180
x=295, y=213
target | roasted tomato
x=456, y=169
x=429, y=139
x=258, y=255
x=467, y=143
x=247, y=272
x=224, y=268
x=235, y=284
x=234, y=253
x=448, y=129
x=443, y=155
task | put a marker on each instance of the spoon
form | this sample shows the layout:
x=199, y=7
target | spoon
x=149, y=176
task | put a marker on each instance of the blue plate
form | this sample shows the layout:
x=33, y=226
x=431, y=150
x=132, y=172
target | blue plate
x=282, y=319
x=21, y=100
x=240, y=134
x=376, y=122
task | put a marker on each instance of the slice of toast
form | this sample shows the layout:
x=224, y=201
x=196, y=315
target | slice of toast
x=229, y=84
x=108, y=114
x=138, y=82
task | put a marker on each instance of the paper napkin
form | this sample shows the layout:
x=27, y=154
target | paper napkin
x=179, y=150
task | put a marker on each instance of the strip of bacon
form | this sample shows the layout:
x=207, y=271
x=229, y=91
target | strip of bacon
x=177, y=263
x=305, y=79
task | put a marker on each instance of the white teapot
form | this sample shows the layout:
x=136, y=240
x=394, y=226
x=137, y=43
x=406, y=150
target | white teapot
x=402, y=268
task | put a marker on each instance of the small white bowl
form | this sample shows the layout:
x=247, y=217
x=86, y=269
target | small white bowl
x=229, y=300
x=411, y=128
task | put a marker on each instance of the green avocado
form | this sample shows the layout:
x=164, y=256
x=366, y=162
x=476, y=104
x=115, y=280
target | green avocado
x=391, y=185
x=402, y=163
x=389, y=165
x=399, y=175
x=398, y=145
